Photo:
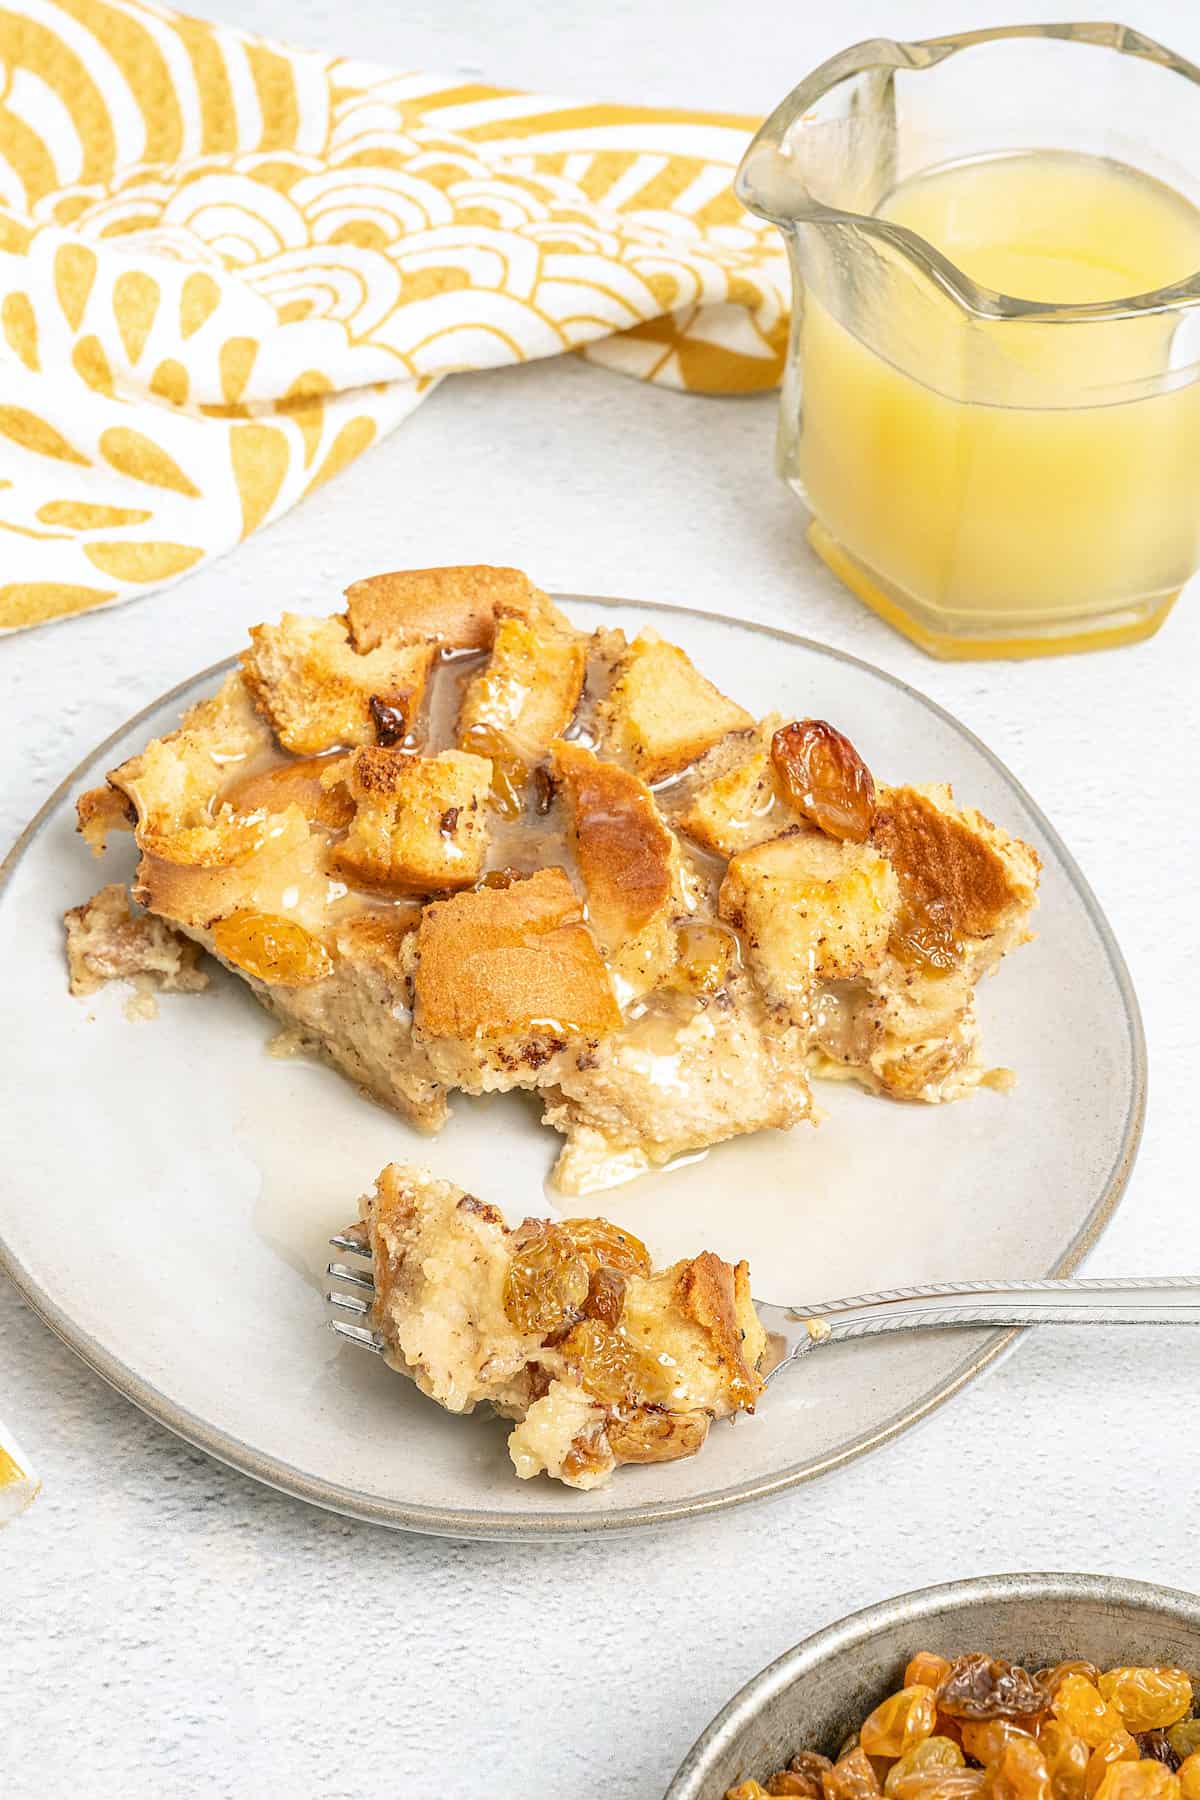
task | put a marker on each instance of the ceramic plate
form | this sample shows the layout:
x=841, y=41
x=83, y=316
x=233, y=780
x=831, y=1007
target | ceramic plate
x=170, y=1186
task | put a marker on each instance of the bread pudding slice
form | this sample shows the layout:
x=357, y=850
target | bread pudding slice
x=457, y=845
x=562, y=1326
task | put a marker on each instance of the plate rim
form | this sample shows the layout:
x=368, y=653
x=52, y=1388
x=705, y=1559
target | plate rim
x=447, y=1521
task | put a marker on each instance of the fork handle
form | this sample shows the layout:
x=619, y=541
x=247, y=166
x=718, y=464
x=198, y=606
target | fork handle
x=1141, y=1300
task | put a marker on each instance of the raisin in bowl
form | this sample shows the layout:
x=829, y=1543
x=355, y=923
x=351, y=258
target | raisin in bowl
x=1010, y=1687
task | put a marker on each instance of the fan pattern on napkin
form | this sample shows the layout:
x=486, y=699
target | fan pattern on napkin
x=228, y=266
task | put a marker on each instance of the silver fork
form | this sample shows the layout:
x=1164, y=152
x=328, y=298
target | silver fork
x=793, y=1331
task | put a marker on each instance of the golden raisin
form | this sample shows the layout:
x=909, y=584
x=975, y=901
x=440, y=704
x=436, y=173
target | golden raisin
x=271, y=948
x=547, y=1281
x=852, y=1777
x=600, y=1243
x=930, y=1753
x=1117, y=1747
x=612, y=1367
x=1019, y=1772
x=809, y=1766
x=927, y=1670
x=984, y=1739
x=987, y=1687
x=824, y=778
x=1067, y=1758
x=747, y=1790
x=560, y=1271
x=1052, y=1679
x=941, y=1784
x=1148, y=1699
x=589, y=1454
x=1083, y=1708
x=1147, y=1780
x=605, y=1299
x=1184, y=1738
x=1189, y=1776
x=797, y=1787
x=900, y=1722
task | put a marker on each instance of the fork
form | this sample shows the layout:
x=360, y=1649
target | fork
x=793, y=1331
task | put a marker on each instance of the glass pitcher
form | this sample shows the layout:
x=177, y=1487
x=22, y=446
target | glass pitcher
x=995, y=475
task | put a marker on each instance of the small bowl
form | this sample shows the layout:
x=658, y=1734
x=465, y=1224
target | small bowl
x=814, y=1696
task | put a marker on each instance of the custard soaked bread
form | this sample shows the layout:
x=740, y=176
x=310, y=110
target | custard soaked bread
x=459, y=844
x=562, y=1326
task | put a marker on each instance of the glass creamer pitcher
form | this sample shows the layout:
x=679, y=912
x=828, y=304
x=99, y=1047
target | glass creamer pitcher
x=992, y=400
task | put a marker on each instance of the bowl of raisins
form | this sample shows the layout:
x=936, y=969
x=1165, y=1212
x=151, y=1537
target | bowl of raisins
x=1011, y=1687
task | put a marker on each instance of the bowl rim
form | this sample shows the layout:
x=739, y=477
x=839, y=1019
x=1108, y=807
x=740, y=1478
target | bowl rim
x=690, y=1779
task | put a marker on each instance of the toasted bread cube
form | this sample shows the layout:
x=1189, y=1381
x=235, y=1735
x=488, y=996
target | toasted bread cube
x=317, y=690
x=736, y=801
x=511, y=965
x=172, y=784
x=956, y=867
x=810, y=908
x=966, y=890
x=419, y=821
x=628, y=861
x=524, y=697
x=660, y=713
x=454, y=608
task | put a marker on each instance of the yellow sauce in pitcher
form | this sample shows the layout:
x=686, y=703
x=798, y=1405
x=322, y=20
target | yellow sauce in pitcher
x=1000, y=484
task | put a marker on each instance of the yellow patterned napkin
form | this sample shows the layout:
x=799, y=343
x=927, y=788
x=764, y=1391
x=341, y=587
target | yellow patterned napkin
x=228, y=266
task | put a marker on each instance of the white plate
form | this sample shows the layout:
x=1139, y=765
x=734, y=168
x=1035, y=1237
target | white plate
x=170, y=1186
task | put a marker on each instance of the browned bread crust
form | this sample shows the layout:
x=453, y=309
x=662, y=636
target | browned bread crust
x=511, y=963
x=454, y=608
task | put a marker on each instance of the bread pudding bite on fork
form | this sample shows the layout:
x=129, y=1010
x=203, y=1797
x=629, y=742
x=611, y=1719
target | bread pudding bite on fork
x=457, y=844
x=562, y=1326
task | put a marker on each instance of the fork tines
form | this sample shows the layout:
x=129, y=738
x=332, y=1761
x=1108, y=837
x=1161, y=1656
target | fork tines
x=361, y=1335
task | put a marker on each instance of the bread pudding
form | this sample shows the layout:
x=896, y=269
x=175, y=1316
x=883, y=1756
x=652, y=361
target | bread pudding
x=457, y=844
x=562, y=1326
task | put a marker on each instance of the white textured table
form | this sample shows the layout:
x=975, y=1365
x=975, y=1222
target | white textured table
x=168, y=1628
